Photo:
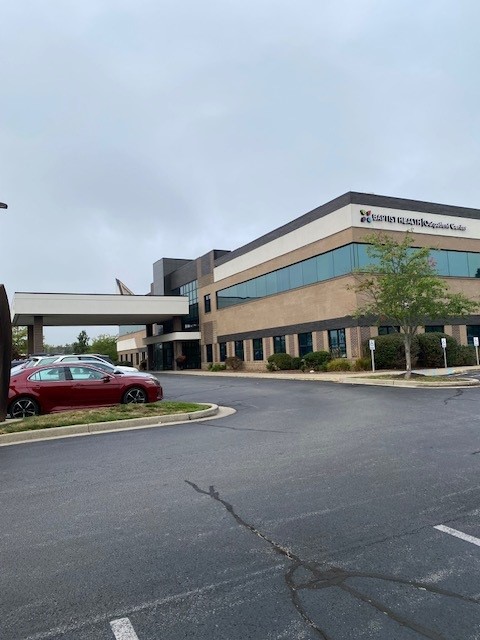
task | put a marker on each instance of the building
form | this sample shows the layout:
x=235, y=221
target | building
x=288, y=290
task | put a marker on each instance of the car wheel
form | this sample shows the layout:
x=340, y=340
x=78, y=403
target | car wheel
x=134, y=395
x=24, y=408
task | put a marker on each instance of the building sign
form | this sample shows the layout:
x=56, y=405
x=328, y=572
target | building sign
x=368, y=217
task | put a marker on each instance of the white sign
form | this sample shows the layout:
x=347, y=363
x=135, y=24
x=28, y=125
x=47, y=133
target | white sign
x=475, y=341
x=372, y=345
x=444, y=343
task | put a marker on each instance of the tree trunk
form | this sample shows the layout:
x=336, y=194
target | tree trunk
x=408, y=356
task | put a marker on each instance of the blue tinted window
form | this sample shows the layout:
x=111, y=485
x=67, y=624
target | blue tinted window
x=279, y=344
x=296, y=279
x=271, y=281
x=309, y=271
x=441, y=261
x=325, y=266
x=457, y=263
x=261, y=286
x=283, y=279
x=252, y=288
x=342, y=261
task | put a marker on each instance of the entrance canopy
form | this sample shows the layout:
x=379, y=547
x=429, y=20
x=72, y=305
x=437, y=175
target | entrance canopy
x=80, y=309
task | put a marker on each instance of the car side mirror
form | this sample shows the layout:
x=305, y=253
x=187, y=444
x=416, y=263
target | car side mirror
x=117, y=372
x=106, y=378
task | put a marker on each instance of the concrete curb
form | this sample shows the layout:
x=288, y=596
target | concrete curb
x=411, y=384
x=99, y=427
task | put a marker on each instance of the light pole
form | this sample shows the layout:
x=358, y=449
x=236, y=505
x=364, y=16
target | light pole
x=5, y=346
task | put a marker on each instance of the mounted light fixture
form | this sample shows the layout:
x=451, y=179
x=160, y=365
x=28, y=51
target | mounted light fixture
x=3, y=205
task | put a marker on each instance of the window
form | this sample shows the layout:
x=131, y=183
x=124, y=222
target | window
x=337, y=343
x=239, y=349
x=434, y=328
x=223, y=351
x=85, y=373
x=49, y=375
x=305, y=343
x=385, y=330
x=257, y=349
x=279, y=344
x=209, y=350
x=207, y=303
x=473, y=331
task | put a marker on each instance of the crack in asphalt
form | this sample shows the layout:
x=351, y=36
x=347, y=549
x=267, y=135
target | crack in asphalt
x=458, y=393
x=222, y=426
x=326, y=577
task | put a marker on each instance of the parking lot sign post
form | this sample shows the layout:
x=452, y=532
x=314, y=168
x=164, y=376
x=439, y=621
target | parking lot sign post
x=444, y=347
x=371, y=344
x=475, y=344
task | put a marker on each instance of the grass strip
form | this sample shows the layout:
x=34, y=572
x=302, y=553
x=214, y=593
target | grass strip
x=104, y=414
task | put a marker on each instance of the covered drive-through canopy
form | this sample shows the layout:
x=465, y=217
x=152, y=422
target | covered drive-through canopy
x=36, y=310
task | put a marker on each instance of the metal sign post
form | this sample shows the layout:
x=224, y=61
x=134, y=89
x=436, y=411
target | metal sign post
x=444, y=347
x=371, y=344
x=475, y=344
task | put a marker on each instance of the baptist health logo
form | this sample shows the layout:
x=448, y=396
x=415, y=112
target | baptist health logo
x=365, y=216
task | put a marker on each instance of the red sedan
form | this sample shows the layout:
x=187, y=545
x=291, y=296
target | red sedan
x=60, y=387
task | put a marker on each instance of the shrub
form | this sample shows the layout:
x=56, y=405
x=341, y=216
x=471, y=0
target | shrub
x=363, y=364
x=233, y=362
x=466, y=356
x=216, y=366
x=339, y=364
x=317, y=360
x=430, y=353
x=390, y=351
x=280, y=361
x=296, y=363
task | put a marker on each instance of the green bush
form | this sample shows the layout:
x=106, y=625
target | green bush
x=317, y=360
x=233, y=362
x=390, y=351
x=466, y=356
x=296, y=363
x=339, y=364
x=430, y=354
x=216, y=366
x=279, y=361
x=363, y=364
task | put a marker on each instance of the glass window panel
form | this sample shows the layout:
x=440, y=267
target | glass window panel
x=239, y=349
x=309, y=271
x=474, y=265
x=279, y=344
x=261, y=286
x=342, y=261
x=434, y=328
x=325, y=266
x=441, y=261
x=283, y=280
x=241, y=291
x=296, y=279
x=305, y=343
x=257, y=349
x=252, y=289
x=473, y=330
x=458, y=263
x=271, y=283
x=223, y=351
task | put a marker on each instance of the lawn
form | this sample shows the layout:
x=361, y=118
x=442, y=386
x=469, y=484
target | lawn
x=105, y=414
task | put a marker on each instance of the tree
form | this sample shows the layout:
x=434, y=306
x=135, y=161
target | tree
x=401, y=286
x=19, y=342
x=105, y=345
x=81, y=346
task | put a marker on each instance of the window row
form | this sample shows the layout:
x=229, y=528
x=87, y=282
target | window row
x=331, y=264
x=336, y=341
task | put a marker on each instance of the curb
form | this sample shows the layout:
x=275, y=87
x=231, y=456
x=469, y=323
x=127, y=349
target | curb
x=100, y=427
x=464, y=384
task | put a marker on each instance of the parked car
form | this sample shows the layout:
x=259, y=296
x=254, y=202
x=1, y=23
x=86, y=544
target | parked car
x=92, y=358
x=59, y=387
x=115, y=370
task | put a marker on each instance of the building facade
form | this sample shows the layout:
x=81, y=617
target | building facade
x=290, y=290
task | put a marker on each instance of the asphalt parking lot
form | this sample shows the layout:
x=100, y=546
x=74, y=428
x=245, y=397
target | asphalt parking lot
x=315, y=511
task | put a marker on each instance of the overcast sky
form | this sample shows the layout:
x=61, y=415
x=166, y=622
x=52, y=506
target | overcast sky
x=132, y=130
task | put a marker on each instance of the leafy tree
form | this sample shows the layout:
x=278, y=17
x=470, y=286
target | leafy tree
x=106, y=345
x=81, y=346
x=402, y=287
x=19, y=342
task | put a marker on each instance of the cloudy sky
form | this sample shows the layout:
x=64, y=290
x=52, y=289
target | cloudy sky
x=132, y=130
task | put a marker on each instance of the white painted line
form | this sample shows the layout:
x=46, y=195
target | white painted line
x=458, y=534
x=123, y=630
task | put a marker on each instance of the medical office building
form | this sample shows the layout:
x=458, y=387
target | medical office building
x=288, y=291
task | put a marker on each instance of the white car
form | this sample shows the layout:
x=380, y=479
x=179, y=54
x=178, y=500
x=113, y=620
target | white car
x=92, y=359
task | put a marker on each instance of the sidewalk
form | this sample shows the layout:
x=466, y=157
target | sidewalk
x=345, y=377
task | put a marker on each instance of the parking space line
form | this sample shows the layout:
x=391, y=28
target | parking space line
x=123, y=630
x=458, y=534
